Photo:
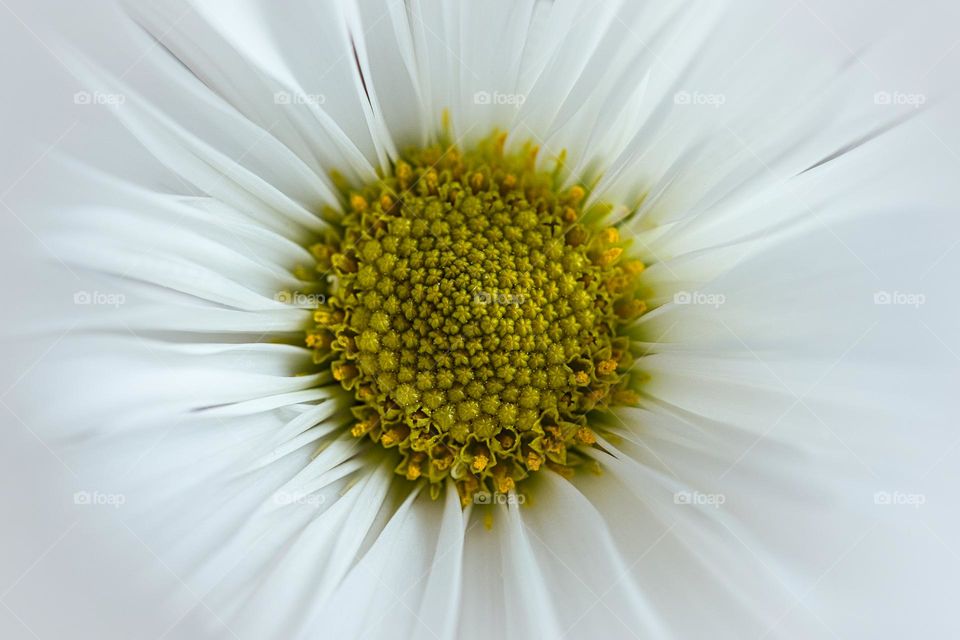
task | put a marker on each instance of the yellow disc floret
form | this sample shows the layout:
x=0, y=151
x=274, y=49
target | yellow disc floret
x=475, y=313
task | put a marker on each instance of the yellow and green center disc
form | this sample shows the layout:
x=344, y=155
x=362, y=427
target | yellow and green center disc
x=475, y=316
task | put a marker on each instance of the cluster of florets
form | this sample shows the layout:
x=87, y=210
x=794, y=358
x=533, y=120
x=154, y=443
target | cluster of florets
x=475, y=316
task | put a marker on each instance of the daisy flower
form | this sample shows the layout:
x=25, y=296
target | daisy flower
x=533, y=319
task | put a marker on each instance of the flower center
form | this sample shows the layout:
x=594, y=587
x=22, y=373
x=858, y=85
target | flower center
x=475, y=314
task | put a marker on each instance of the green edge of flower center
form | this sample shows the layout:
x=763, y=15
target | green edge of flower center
x=475, y=314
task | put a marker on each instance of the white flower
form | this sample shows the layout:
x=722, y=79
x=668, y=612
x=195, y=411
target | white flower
x=796, y=357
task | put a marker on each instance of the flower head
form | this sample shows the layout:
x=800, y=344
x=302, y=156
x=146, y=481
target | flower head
x=490, y=319
x=476, y=315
